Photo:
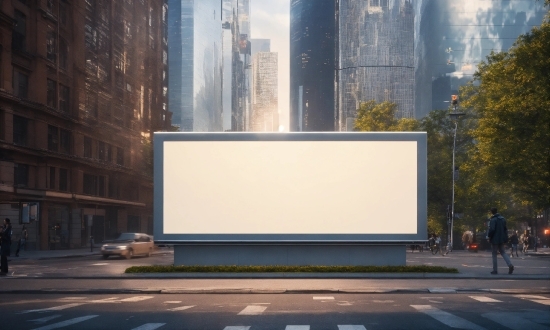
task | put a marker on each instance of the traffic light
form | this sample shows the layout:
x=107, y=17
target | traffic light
x=454, y=99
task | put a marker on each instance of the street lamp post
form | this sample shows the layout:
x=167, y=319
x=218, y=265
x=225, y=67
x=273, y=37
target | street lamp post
x=454, y=116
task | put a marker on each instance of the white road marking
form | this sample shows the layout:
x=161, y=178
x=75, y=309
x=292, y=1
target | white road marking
x=101, y=264
x=66, y=323
x=351, y=327
x=236, y=328
x=447, y=318
x=383, y=301
x=56, y=308
x=136, y=299
x=252, y=310
x=73, y=298
x=45, y=319
x=526, y=296
x=484, y=299
x=149, y=326
x=541, y=301
x=173, y=302
x=297, y=327
x=323, y=298
x=182, y=308
x=519, y=321
x=106, y=300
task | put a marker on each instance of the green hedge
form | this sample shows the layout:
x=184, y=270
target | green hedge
x=290, y=269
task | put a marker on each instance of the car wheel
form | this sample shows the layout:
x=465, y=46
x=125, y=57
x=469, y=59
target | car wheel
x=150, y=252
x=105, y=256
x=130, y=254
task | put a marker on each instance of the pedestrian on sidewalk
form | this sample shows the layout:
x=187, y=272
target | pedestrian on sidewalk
x=498, y=236
x=22, y=240
x=514, y=241
x=5, y=238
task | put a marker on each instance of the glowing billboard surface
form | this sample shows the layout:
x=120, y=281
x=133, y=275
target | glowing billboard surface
x=290, y=187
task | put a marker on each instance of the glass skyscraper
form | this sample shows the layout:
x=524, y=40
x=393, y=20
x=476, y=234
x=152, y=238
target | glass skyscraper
x=265, y=106
x=454, y=36
x=195, y=62
x=312, y=67
x=375, y=57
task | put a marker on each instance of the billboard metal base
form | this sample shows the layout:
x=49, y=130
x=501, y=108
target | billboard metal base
x=291, y=255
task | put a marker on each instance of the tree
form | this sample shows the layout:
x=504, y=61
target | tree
x=511, y=97
x=373, y=117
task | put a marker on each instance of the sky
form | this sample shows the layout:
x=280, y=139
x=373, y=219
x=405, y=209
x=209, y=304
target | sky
x=271, y=20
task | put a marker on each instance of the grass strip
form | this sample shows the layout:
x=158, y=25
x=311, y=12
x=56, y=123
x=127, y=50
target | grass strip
x=290, y=269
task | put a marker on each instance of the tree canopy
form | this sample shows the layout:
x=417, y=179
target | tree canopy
x=510, y=95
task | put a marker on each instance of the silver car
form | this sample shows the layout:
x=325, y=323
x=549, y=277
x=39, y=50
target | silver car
x=129, y=244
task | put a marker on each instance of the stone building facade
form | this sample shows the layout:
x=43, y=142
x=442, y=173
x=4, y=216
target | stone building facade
x=83, y=86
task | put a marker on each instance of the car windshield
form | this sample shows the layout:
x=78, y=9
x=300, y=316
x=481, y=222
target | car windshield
x=126, y=237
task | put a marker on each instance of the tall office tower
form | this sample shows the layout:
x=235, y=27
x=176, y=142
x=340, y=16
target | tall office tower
x=375, y=57
x=195, y=61
x=457, y=35
x=265, y=113
x=81, y=92
x=257, y=45
x=312, y=65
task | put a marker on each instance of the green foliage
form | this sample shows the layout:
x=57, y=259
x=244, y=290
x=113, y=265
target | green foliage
x=373, y=117
x=511, y=98
x=290, y=269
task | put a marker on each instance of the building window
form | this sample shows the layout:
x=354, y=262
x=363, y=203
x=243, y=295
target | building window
x=52, y=178
x=19, y=34
x=91, y=105
x=20, y=128
x=101, y=186
x=51, y=43
x=64, y=94
x=113, y=188
x=53, y=138
x=87, y=147
x=63, y=179
x=101, y=150
x=52, y=94
x=21, y=175
x=20, y=84
x=63, y=54
x=120, y=156
x=90, y=184
x=63, y=13
x=64, y=141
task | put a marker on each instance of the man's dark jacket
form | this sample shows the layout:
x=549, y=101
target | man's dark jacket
x=498, y=233
x=6, y=241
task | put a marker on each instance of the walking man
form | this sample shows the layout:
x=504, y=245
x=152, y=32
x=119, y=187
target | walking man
x=498, y=235
x=514, y=240
x=22, y=240
x=5, y=237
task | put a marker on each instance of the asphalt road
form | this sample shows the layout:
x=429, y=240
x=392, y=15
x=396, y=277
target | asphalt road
x=266, y=311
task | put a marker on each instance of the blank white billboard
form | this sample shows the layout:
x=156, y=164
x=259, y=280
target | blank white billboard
x=253, y=188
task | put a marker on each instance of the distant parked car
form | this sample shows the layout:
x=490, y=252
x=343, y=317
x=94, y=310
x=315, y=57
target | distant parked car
x=473, y=247
x=128, y=244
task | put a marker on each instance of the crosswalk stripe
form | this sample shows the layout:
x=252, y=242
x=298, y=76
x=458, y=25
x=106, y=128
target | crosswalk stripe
x=56, y=308
x=149, y=326
x=182, y=308
x=527, y=296
x=514, y=321
x=323, y=298
x=66, y=323
x=45, y=319
x=297, y=327
x=106, y=300
x=484, y=299
x=448, y=319
x=173, y=302
x=236, y=328
x=252, y=310
x=136, y=299
x=351, y=327
x=543, y=302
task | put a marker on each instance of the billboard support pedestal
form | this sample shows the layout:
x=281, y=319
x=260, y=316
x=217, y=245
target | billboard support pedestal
x=290, y=255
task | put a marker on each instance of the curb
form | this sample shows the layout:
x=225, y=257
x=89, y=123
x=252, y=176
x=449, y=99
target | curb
x=279, y=291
